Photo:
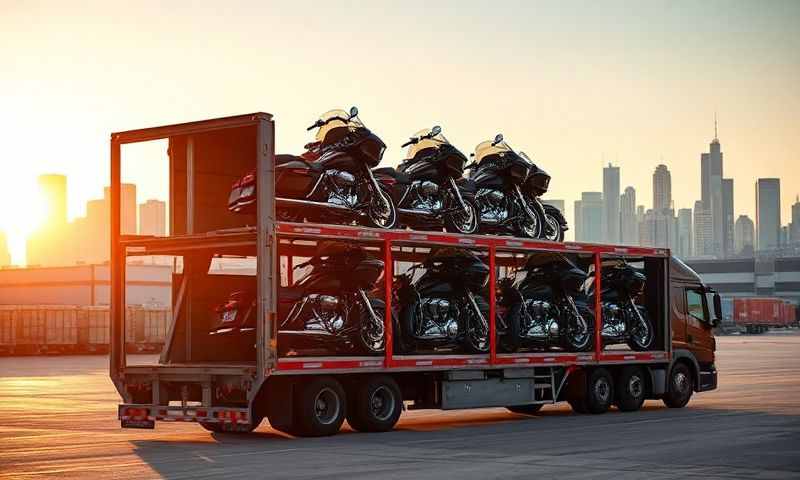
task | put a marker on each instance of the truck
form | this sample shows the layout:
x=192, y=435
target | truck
x=758, y=314
x=233, y=383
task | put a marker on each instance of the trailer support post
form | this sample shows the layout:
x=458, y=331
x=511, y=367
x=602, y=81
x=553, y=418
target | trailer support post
x=388, y=277
x=492, y=306
x=598, y=308
x=117, y=271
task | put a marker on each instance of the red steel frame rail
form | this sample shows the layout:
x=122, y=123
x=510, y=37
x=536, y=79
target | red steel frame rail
x=389, y=238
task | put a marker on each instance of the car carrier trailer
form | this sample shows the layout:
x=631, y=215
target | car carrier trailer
x=227, y=384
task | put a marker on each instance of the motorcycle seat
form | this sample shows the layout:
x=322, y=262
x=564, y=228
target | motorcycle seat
x=290, y=294
x=299, y=162
x=391, y=172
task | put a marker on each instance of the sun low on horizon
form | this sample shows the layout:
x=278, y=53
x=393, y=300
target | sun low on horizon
x=22, y=212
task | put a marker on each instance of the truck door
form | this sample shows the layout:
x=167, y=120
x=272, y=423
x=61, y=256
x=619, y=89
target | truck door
x=699, y=337
x=677, y=300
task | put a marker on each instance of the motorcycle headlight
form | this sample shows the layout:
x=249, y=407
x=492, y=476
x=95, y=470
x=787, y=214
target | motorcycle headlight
x=229, y=316
x=248, y=191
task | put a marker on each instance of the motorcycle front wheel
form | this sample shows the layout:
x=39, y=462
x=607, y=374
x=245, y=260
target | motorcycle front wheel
x=530, y=226
x=371, y=337
x=576, y=339
x=642, y=335
x=552, y=229
x=475, y=339
x=460, y=220
x=381, y=211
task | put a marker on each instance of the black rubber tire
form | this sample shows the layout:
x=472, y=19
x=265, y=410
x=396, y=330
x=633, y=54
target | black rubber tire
x=552, y=222
x=531, y=409
x=369, y=222
x=450, y=225
x=510, y=342
x=636, y=346
x=362, y=346
x=308, y=421
x=631, y=389
x=471, y=346
x=575, y=391
x=680, y=386
x=599, y=391
x=362, y=396
x=570, y=345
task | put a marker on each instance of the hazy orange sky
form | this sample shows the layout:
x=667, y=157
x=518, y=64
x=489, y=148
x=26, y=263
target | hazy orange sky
x=573, y=84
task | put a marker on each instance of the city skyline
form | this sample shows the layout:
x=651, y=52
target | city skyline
x=582, y=85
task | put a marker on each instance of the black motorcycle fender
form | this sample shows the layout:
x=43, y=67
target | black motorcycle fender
x=556, y=213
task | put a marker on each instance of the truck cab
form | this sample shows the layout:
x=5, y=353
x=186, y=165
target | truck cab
x=695, y=309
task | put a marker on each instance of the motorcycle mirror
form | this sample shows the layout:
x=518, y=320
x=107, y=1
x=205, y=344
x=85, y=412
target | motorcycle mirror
x=436, y=130
x=497, y=139
x=353, y=111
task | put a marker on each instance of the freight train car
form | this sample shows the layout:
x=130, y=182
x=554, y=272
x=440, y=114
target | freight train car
x=69, y=329
x=758, y=314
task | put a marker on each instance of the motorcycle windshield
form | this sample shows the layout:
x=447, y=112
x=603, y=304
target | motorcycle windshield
x=486, y=149
x=427, y=141
x=335, y=121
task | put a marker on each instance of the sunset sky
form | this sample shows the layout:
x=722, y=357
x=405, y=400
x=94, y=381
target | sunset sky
x=574, y=84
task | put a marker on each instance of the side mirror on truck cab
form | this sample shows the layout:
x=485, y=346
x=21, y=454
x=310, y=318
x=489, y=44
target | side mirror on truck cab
x=717, y=311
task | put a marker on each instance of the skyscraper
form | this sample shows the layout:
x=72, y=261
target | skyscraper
x=794, y=227
x=744, y=233
x=128, y=214
x=727, y=217
x=628, y=223
x=711, y=192
x=589, y=217
x=153, y=218
x=662, y=188
x=683, y=246
x=611, y=220
x=702, y=231
x=768, y=213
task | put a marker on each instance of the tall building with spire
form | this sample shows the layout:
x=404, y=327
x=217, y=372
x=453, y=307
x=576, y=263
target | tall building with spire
x=711, y=192
x=611, y=221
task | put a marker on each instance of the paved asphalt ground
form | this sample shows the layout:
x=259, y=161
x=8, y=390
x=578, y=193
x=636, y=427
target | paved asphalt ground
x=58, y=419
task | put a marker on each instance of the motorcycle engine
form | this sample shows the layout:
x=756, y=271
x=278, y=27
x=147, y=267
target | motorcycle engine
x=440, y=318
x=343, y=191
x=613, y=320
x=493, y=205
x=540, y=321
x=426, y=196
x=326, y=313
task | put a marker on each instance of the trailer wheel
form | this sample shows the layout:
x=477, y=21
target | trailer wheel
x=319, y=408
x=631, y=388
x=531, y=409
x=599, y=391
x=375, y=405
x=680, y=388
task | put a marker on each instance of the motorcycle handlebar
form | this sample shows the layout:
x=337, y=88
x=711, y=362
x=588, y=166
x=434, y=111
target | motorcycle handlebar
x=410, y=141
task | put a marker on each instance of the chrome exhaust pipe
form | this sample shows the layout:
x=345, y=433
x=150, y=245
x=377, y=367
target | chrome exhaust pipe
x=308, y=203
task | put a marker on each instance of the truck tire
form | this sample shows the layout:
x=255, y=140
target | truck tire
x=631, y=389
x=375, y=405
x=531, y=409
x=599, y=391
x=680, y=387
x=319, y=408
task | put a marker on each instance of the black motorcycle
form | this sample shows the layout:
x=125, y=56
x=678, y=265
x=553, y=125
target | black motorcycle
x=445, y=307
x=329, y=310
x=429, y=190
x=508, y=186
x=623, y=320
x=548, y=304
x=332, y=180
